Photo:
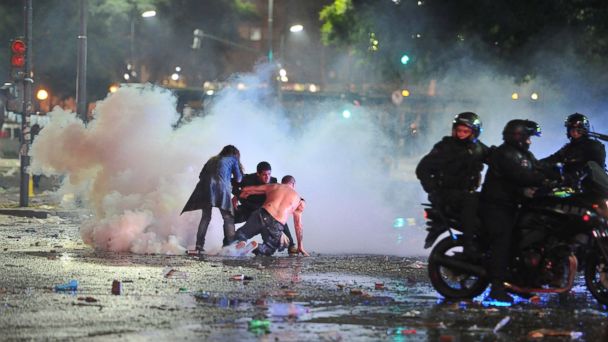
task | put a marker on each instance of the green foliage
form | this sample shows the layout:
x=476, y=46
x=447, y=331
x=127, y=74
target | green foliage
x=437, y=34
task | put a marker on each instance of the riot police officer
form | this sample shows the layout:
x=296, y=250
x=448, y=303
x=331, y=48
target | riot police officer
x=451, y=172
x=511, y=168
x=581, y=148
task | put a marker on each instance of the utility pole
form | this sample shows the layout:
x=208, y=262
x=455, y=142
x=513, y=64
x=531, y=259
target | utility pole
x=270, y=5
x=27, y=82
x=81, y=71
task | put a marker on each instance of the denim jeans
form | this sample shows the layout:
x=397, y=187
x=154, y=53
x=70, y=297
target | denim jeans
x=228, y=218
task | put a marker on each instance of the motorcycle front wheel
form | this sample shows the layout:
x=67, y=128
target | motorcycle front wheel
x=451, y=283
x=596, y=276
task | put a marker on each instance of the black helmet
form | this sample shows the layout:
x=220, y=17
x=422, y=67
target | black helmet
x=517, y=131
x=578, y=121
x=470, y=120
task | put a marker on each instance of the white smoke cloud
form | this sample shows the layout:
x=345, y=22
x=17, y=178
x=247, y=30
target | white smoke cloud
x=136, y=172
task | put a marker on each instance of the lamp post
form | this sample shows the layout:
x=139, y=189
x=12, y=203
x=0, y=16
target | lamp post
x=270, y=5
x=131, y=66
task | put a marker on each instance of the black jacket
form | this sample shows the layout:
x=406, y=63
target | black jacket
x=575, y=154
x=452, y=164
x=253, y=201
x=510, y=170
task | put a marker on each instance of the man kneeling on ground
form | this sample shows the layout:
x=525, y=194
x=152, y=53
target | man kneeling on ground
x=281, y=201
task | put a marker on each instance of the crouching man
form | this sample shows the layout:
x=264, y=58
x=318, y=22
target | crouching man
x=281, y=201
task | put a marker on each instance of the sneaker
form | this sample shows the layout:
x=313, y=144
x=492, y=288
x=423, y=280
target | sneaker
x=292, y=250
x=500, y=295
x=250, y=247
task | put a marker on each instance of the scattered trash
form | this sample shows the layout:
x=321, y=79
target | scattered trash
x=71, y=286
x=379, y=286
x=183, y=289
x=88, y=299
x=417, y=264
x=192, y=252
x=175, y=274
x=287, y=309
x=356, y=292
x=240, y=277
x=290, y=293
x=340, y=286
x=400, y=331
x=501, y=324
x=541, y=333
x=259, y=324
x=412, y=313
x=116, y=287
x=202, y=295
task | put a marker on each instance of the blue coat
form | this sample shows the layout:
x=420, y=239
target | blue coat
x=214, y=187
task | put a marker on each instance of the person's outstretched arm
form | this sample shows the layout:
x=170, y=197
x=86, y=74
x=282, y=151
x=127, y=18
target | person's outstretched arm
x=297, y=222
x=255, y=190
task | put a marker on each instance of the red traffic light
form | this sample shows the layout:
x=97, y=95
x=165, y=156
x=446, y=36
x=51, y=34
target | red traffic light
x=18, y=49
x=18, y=46
x=18, y=61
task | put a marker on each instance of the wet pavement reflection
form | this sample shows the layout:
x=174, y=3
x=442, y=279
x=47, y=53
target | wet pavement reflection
x=55, y=287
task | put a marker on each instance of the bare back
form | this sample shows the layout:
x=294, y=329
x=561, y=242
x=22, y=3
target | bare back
x=281, y=201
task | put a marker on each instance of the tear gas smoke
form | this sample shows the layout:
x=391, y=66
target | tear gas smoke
x=136, y=172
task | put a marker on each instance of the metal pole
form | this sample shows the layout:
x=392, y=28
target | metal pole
x=81, y=72
x=270, y=3
x=132, y=45
x=26, y=107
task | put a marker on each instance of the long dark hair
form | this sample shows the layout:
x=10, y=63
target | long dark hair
x=231, y=150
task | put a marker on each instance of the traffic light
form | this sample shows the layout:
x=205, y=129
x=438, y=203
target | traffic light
x=18, y=52
x=405, y=59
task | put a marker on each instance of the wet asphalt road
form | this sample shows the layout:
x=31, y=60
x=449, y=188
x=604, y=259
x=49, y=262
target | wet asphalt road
x=319, y=298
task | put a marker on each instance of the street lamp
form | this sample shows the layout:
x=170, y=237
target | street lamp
x=145, y=14
x=296, y=28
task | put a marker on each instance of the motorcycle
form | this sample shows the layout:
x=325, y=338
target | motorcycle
x=559, y=232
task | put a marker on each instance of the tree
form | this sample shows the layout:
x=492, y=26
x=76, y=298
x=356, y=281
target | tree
x=509, y=35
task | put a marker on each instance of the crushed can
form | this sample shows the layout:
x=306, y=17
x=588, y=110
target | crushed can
x=116, y=287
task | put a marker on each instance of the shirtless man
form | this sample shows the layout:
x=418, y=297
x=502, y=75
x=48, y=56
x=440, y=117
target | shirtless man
x=281, y=201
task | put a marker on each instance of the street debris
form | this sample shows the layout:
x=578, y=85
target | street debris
x=287, y=310
x=71, y=286
x=240, y=277
x=541, y=333
x=116, y=287
x=417, y=264
x=174, y=274
x=88, y=299
x=501, y=324
x=400, y=331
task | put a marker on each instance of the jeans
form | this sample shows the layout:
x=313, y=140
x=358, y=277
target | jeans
x=228, y=218
x=243, y=213
x=261, y=222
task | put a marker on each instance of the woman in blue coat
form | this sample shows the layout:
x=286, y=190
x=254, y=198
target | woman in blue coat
x=214, y=190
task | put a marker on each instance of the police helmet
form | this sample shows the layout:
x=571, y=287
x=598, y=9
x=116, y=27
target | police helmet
x=577, y=121
x=470, y=120
x=518, y=131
